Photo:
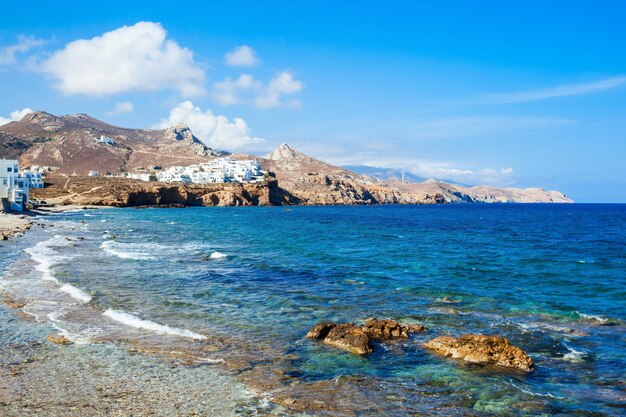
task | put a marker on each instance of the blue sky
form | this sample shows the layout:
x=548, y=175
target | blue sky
x=505, y=93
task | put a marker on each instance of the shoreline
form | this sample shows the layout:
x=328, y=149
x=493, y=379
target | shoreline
x=272, y=384
x=15, y=224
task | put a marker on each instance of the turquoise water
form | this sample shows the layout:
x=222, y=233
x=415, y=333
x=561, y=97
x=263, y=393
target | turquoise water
x=551, y=278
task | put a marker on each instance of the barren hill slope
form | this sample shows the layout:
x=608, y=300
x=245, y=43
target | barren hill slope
x=69, y=143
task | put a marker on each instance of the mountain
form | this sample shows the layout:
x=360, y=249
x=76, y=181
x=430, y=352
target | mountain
x=315, y=182
x=70, y=144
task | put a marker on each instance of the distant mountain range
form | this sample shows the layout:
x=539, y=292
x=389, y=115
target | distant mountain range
x=386, y=174
x=79, y=143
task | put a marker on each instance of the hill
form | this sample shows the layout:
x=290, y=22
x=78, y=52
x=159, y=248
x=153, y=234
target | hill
x=70, y=143
x=73, y=143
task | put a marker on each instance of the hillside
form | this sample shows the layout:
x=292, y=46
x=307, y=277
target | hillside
x=70, y=144
x=316, y=182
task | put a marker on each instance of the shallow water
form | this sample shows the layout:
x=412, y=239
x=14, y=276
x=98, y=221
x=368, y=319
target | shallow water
x=249, y=283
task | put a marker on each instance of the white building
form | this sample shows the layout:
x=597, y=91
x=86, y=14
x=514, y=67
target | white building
x=218, y=170
x=14, y=190
x=143, y=176
x=34, y=178
x=93, y=174
x=105, y=140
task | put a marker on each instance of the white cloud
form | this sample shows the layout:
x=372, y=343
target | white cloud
x=246, y=89
x=228, y=92
x=242, y=56
x=130, y=58
x=559, y=91
x=8, y=54
x=281, y=85
x=215, y=131
x=122, y=107
x=485, y=176
x=15, y=116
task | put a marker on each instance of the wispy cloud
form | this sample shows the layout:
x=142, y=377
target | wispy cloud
x=397, y=157
x=15, y=116
x=246, y=89
x=8, y=54
x=553, y=92
x=122, y=107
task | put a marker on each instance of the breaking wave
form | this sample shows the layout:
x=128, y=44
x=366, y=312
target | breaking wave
x=134, y=321
x=136, y=251
x=46, y=257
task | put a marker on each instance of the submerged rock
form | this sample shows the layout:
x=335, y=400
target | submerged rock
x=59, y=339
x=484, y=350
x=355, y=339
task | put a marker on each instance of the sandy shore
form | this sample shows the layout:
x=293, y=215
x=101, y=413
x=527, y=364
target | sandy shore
x=15, y=224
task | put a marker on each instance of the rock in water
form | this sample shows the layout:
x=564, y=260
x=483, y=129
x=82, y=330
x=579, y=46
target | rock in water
x=59, y=339
x=346, y=336
x=355, y=339
x=389, y=329
x=320, y=331
x=484, y=350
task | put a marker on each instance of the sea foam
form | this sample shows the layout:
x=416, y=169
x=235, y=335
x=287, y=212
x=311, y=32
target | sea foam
x=218, y=255
x=46, y=257
x=134, y=321
x=136, y=251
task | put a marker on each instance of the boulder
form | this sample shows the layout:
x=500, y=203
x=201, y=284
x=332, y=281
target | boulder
x=59, y=339
x=346, y=336
x=356, y=339
x=483, y=350
x=389, y=329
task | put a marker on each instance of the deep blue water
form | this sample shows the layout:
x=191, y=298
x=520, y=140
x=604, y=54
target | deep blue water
x=551, y=278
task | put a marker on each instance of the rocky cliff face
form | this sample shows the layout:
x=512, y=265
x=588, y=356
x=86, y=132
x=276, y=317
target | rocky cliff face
x=120, y=192
x=315, y=182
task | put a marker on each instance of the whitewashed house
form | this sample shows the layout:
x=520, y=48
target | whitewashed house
x=14, y=189
x=219, y=170
x=105, y=140
x=34, y=179
x=143, y=176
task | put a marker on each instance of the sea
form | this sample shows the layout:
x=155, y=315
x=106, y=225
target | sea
x=205, y=310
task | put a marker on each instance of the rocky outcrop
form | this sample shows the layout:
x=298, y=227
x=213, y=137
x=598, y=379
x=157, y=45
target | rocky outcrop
x=483, y=350
x=121, y=192
x=45, y=121
x=389, y=329
x=358, y=340
x=182, y=133
x=346, y=336
x=59, y=339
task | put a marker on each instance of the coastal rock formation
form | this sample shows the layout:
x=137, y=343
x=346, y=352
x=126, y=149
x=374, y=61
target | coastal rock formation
x=59, y=339
x=346, y=336
x=355, y=339
x=121, y=192
x=388, y=329
x=314, y=182
x=484, y=350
